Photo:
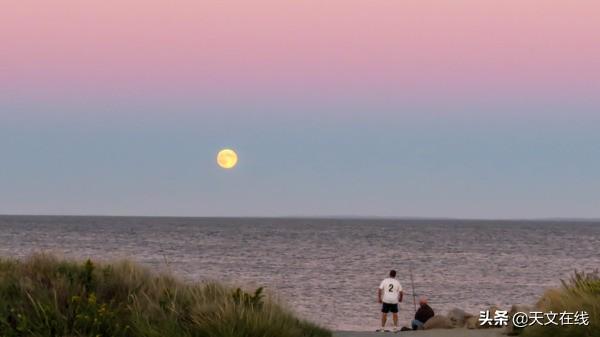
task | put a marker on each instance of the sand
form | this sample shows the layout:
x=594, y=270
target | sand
x=428, y=333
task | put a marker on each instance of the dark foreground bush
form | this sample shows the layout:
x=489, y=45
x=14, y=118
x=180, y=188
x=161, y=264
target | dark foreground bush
x=580, y=293
x=45, y=296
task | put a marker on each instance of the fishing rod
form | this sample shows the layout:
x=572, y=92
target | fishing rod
x=412, y=284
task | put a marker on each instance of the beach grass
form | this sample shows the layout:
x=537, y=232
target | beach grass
x=47, y=296
x=581, y=293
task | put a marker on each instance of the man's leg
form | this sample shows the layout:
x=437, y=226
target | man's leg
x=395, y=317
x=416, y=324
x=383, y=319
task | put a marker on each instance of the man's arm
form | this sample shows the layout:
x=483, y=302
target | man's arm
x=379, y=295
x=400, y=296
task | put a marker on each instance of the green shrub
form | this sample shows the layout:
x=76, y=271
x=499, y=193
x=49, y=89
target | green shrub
x=580, y=293
x=43, y=296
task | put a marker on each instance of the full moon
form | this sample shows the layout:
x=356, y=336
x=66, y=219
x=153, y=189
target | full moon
x=227, y=158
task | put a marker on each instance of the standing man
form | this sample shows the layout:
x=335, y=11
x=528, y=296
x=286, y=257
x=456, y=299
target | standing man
x=390, y=294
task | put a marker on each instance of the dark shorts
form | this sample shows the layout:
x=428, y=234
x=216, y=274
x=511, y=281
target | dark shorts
x=389, y=308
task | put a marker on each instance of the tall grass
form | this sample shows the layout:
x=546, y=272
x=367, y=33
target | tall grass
x=580, y=293
x=46, y=297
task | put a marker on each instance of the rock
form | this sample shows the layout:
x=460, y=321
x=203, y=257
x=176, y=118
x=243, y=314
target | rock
x=438, y=322
x=458, y=317
x=519, y=308
x=510, y=328
x=472, y=323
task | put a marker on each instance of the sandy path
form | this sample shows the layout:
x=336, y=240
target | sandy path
x=429, y=333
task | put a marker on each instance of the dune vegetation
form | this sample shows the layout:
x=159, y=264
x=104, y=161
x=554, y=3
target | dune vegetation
x=580, y=293
x=46, y=296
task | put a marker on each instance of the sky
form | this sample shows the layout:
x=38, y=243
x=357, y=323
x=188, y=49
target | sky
x=429, y=108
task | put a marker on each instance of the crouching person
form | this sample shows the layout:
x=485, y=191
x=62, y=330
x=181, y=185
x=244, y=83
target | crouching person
x=422, y=315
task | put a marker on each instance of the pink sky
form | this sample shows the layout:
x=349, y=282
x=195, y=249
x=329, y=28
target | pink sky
x=417, y=47
x=479, y=108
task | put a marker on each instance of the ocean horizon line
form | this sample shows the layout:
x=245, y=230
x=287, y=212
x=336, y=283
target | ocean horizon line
x=313, y=217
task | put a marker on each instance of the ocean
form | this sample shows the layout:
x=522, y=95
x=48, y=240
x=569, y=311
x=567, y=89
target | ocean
x=328, y=270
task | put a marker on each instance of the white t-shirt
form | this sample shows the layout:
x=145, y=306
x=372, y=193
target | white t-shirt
x=391, y=288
